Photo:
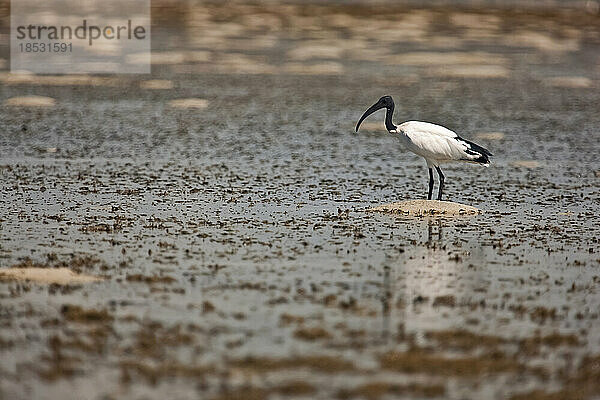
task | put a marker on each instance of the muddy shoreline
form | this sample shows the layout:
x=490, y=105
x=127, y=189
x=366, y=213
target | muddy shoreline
x=223, y=202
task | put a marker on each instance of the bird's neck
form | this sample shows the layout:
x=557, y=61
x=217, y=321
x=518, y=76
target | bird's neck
x=389, y=125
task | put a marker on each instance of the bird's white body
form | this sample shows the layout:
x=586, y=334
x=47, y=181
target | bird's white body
x=435, y=143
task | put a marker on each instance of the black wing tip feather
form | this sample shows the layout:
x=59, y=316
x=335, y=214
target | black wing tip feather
x=484, y=159
x=477, y=150
x=480, y=149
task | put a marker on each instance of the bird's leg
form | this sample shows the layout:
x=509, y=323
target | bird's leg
x=439, y=171
x=430, y=184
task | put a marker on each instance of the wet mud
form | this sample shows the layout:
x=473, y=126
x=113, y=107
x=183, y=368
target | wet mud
x=223, y=202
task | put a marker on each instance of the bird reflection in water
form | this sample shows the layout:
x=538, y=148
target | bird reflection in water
x=431, y=241
x=386, y=297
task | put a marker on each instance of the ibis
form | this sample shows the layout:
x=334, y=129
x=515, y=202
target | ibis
x=435, y=143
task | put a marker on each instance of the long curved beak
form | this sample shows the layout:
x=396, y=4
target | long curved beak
x=370, y=111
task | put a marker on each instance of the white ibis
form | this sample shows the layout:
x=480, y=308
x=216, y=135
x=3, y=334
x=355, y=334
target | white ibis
x=434, y=143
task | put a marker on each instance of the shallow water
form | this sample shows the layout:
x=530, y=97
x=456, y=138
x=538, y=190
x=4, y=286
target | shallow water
x=239, y=257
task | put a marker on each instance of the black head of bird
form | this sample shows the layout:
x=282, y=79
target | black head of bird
x=385, y=102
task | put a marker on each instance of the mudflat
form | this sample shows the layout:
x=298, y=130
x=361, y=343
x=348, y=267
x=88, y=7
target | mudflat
x=222, y=202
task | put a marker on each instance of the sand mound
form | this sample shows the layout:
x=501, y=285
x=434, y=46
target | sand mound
x=426, y=207
x=323, y=68
x=526, y=164
x=157, y=84
x=62, y=276
x=56, y=80
x=30, y=101
x=490, y=135
x=470, y=71
x=189, y=103
x=576, y=82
